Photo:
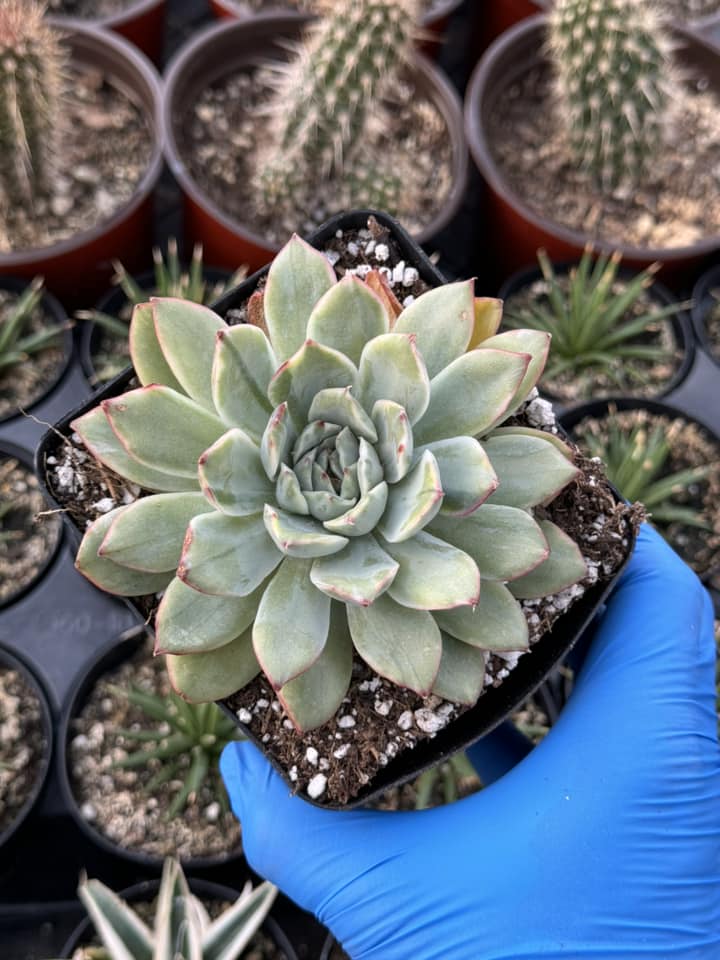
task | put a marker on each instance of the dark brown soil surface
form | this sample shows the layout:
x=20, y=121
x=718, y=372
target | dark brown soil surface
x=26, y=541
x=692, y=447
x=632, y=377
x=26, y=382
x=220, y=134
x=22, y=743
x=89, y=9
x=115, y=801
x=106, y=148
x=677, y=204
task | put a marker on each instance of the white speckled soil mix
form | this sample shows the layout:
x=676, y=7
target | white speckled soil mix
x=115, y=801
x=677, y=204
x=105, y=150
x=22, y=743
x=26, y=540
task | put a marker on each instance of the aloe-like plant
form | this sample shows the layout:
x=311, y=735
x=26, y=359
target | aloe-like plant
x=595, y=320
x=614, y=83
x=17, y=341
x=342, y=482
x=170, y=280
x=637, y=460
x=182, y=928
x=185, y=746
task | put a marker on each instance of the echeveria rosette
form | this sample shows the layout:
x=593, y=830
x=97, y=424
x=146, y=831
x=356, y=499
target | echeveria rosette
x=320, y=487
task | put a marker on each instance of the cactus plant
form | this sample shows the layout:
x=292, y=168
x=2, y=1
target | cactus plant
x=16, y=341
x=323, y=489
x=325, y=96
x=31, y=71
x=186, y=745
x=182, y=928
x=598, y=323
x=613, y=82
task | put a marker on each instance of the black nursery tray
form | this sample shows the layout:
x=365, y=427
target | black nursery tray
x=496, y=703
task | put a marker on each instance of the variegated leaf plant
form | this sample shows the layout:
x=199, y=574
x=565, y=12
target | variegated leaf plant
x=334, y=478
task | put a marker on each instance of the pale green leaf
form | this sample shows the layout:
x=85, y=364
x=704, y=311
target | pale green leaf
x=149, y=534
x=227, y=556
x=230, y=933
x=530, y=470
x=400, y=644
x=338, y=406
x=299, y=537
x=120, y=929
x=413, y=502
x=145, y=353
x=364, y=516
x=466, y=474
x=433, y=575
x=288, y=493
x=391, y=368
x=312, y=698
x=277, y=441
x=232, y=476
x=496, y=623
x=163, y=429
x=564, y=567
x=552, y=438
x=312, y=368
x=243, y=366
x=214, y=674
x=395, y=439
x=291, y=624
x=471, y=394
x=461, y=677
x=359, y=574
x=347, y=317
x=443, y=320
x=532, y=343
x=504, y=542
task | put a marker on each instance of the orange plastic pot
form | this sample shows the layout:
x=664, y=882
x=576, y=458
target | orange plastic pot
x=78, y=269
x=142, y=23
x=229, y=46
x=517, y=230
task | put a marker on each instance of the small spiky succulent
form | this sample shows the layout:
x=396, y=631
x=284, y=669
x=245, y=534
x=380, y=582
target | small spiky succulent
x=185, y=746
x=31, y=69
x=171, y=280
x=182, y=928
x=17, y=343
x=352, y=52
x=637, y=460
x=595, y=319
x=613, y=82
x=341, y=483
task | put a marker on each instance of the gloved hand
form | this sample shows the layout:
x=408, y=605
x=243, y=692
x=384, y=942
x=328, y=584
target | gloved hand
x=602, y=842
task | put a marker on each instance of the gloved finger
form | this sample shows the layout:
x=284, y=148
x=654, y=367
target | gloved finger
x=498, y=752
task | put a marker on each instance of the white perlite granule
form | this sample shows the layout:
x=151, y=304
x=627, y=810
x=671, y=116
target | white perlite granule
x=316, y=787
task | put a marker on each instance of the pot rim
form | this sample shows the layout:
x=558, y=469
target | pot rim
x=16, y=661
x=442, y=95
x=98, y=38
x=108, y=656
x=680, y=321
x=57, y=314
x=481, y=89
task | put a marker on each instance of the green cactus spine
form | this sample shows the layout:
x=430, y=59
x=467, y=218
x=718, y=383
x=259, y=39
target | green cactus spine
x=31, y=69
x=325, y=96
x=613, y=81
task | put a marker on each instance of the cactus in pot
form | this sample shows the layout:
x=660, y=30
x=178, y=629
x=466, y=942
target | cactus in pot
x=613, y=84
x=31, y=81
x=340, y=486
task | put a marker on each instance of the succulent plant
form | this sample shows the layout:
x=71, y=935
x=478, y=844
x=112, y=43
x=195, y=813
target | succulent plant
x=186, y=745
x=6, y=532
x=324, y=97
x=613, y=81
x=637, y=460
x=456, y=777
x=182, y=929
x=322, y=488
x=31, y=69
x=16, y=341
x=170, y=281
x=595, y=320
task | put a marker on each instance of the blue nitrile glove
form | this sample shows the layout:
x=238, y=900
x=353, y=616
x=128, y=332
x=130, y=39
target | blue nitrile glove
x=603, y=842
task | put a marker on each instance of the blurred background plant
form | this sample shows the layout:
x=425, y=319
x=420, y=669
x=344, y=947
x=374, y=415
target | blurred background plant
x=21, y=335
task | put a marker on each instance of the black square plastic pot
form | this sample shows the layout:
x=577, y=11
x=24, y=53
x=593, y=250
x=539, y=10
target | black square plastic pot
x=497, y=702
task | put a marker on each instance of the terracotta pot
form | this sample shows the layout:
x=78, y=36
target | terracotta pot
x=517, y=230
x=142, y=23
x=222, y=49
x=78, y=268
x=679, y=321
